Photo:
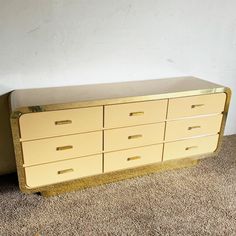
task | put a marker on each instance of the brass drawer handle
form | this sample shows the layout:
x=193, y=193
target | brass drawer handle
x=197, y=105
x=135, y=136
x=64, y=148
x=133, y=158
x=137, y=113
x=60, y=172
x=63, y=122
x=192, y=147
x=194, y=127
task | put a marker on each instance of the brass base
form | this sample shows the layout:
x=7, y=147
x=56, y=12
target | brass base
x=119, y=175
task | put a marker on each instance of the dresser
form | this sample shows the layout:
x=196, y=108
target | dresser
x=73, y=137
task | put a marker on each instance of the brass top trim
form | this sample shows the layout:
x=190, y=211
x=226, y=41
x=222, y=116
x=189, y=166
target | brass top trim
x=49, y=99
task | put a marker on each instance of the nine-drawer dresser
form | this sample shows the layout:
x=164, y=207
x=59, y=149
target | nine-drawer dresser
x=78, y=136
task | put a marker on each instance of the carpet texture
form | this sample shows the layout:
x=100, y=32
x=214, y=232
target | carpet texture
x=200, y=200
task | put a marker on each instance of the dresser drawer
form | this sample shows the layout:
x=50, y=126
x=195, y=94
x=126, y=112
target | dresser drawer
x=117, y=139
x=56, y=123
x=196, y=105
x=132, y=157
x=46, y=174
x=135, y=113
x=61, y=148
x=185, y=128
x=190, y=147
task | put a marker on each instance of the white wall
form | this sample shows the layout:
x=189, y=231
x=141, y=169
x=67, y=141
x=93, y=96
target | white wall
x=60, y=42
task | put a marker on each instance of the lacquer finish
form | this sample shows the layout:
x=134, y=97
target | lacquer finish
x=136, y=113
x=61, y=148
x=130, y=137
x=132, y=158
x=190, y=147
x=38, y=125
x=194, y=126
x=40, y=175
x=196, y=105
x=157, y=94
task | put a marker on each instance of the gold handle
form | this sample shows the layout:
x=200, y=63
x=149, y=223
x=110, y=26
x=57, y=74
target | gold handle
x=137, y=113
x=197, y=105
x=60, y=172
x=192, y=147
x=194, y=127
x=64, y=148
x=135, y=136
x=63, y=122
x=133, y=158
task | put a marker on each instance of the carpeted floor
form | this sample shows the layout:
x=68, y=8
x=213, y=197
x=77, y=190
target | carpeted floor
x=196, y=201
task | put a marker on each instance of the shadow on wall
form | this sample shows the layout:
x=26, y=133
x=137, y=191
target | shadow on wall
x=7, y=157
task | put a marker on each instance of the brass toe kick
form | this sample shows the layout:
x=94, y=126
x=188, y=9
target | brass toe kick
x=116, y=176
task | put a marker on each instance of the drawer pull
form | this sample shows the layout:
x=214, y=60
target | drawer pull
x=137, y=113
x=194, y=127
x=189, y=148
x=135, y=136
x=133, y=158
x=63, y=122
x=64, y=148
x=60, y=172
x=197, y=105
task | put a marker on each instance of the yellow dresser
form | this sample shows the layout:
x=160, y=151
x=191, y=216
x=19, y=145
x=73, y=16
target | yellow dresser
x=79, y=136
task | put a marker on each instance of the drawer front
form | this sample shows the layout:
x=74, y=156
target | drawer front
x=185, y=128
x=123, y=138
x=132, y=157
x=135, y=113
x=190, y=147
x=61, y=148
x=196, y=105
x=63, y=122
x=52, y=173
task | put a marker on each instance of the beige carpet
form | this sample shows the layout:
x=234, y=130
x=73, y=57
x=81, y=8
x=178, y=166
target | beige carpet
x=196, y=201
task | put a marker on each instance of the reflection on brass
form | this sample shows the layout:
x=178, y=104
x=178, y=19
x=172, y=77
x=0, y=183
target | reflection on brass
x=60, y=172
x=135, y=136
x=63, y=122
x=194, y=127
x=36, y=109
x=64, y=148
x=197, y=105
x=133, y=158
x=16, y=115
x=137, y=113
x=192, y=147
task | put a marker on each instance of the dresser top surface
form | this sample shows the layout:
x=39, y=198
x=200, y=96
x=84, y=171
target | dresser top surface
x=85, y=93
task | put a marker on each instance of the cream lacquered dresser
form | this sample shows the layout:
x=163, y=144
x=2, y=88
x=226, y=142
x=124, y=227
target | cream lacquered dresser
x=74, y=137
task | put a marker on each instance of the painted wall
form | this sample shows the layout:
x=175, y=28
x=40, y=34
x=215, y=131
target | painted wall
x=64, y=42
